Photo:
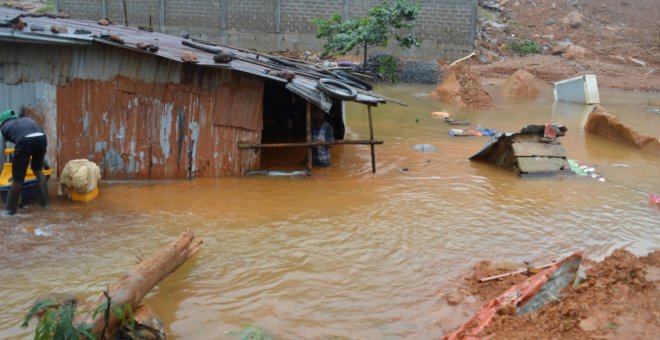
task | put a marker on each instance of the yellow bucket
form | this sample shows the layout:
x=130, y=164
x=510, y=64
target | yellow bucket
x=74, y=196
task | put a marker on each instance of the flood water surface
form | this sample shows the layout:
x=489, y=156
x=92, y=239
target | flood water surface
x=345, y=253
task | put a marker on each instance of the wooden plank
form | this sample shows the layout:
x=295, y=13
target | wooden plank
x=541, y=164
x=293, y=145
x=309, y=136
x=371, y=138
x=530, y=149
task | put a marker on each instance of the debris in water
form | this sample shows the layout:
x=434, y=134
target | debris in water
x=425, y=148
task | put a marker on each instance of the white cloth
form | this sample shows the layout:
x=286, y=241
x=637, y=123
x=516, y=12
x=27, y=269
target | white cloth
x=80, y=175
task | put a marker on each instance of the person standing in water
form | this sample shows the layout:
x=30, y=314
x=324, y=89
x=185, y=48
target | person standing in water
x=30, y=148
x=321, y=132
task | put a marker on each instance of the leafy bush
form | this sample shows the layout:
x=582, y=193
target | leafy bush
x=389, y=67
x=525, y=47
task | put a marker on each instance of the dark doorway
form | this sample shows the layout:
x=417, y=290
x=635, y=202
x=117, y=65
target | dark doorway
x=285, y=122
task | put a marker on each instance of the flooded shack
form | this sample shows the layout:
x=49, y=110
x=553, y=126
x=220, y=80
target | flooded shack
x=148, y=105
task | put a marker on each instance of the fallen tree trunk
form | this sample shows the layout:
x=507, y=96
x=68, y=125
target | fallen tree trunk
x=137, y=282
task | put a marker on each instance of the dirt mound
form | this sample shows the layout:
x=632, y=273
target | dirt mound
x=462, y=87
x=521, y=84
x=619, y=299
x=602, y=123
x=620, y=41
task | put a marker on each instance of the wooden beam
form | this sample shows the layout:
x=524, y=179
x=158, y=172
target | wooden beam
x=293, y=145
x=371, y=138
x=309, y=136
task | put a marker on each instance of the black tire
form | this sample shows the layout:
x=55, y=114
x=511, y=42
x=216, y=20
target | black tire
x=351, y=83
x=355, y=79
x=336, y=89
x=281, y=61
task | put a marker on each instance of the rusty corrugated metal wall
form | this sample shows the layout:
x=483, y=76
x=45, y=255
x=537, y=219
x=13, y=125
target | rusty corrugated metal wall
x=137, y=115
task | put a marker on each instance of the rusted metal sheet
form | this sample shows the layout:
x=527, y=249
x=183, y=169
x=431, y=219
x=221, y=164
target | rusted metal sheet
x=135, y=129
x=170, y=47
x=240, y=103
x=37, y=101
x=57, y=64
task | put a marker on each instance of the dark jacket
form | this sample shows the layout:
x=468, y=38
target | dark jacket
x=14, y=130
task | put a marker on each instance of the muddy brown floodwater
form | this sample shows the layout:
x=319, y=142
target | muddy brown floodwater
x=346, y=253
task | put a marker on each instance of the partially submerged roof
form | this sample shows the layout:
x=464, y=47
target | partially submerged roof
x=83, y=32
x=527, y=154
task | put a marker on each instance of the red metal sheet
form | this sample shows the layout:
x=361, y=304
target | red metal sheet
x=146, y=130
x=240, y=103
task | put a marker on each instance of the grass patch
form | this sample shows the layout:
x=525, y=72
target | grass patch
x=486, y=14
x=525, y=47
x=49, y=7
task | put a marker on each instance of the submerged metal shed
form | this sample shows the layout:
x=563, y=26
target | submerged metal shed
x=526, y=154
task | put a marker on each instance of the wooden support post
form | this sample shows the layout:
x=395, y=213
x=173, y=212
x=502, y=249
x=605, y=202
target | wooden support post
x=57, y=7
x=309, y=136
x=371, y=138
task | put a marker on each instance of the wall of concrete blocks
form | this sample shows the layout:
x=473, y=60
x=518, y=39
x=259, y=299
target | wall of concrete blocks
x=446, y=27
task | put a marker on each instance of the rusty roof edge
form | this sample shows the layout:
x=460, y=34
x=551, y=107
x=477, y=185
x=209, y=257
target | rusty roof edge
x=69, y=39
x=256, y=73
x=303, y=85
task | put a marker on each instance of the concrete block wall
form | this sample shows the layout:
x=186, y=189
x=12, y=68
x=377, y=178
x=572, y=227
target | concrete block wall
x=254, y=16
x=189, y=13
x=446, y=27
x=80, y=9
x=297, y=15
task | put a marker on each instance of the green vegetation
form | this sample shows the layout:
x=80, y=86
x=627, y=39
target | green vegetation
x=513, y=23
x=251, y=332
x=48, y=8
x=389, y=66
x=56, y=320
x=525, y=47
x=486, y=14
x=383, y=21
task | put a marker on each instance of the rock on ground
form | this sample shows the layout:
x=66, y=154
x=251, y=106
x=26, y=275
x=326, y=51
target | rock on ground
x=603, y=124
x=521, y=84
x=462, y=87
x=575, y=52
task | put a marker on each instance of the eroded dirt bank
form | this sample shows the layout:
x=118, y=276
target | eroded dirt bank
x=619, y=300
x=617, y=41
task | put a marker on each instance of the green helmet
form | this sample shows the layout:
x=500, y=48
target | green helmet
x=7, y=115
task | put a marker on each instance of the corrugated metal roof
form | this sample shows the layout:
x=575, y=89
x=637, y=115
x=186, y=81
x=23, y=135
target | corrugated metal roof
x=173, y=48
